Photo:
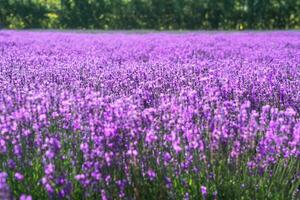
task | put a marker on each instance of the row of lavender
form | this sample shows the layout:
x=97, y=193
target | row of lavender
x=147, y=116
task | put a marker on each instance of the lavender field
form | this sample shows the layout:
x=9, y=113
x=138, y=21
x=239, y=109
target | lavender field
x=194, y=115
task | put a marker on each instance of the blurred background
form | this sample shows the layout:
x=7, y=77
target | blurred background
x=150, y=14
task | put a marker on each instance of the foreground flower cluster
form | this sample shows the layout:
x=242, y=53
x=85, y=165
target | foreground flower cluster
x=149, y=116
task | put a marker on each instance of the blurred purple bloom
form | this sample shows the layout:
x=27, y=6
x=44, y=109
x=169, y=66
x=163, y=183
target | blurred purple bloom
x=204, y=191
x=19, y=176
x=25, y=197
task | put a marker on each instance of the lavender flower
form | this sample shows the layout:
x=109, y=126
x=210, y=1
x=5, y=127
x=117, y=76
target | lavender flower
x=203, y=191
x=19, y=176
x=111, y=113
x=25, y=197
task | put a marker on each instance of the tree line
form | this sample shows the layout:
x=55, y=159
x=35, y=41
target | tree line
x=151, y=14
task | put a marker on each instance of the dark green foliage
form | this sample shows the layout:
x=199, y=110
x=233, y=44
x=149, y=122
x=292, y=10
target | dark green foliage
x=150, y=14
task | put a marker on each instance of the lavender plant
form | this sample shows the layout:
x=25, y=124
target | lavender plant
x=149, y=116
